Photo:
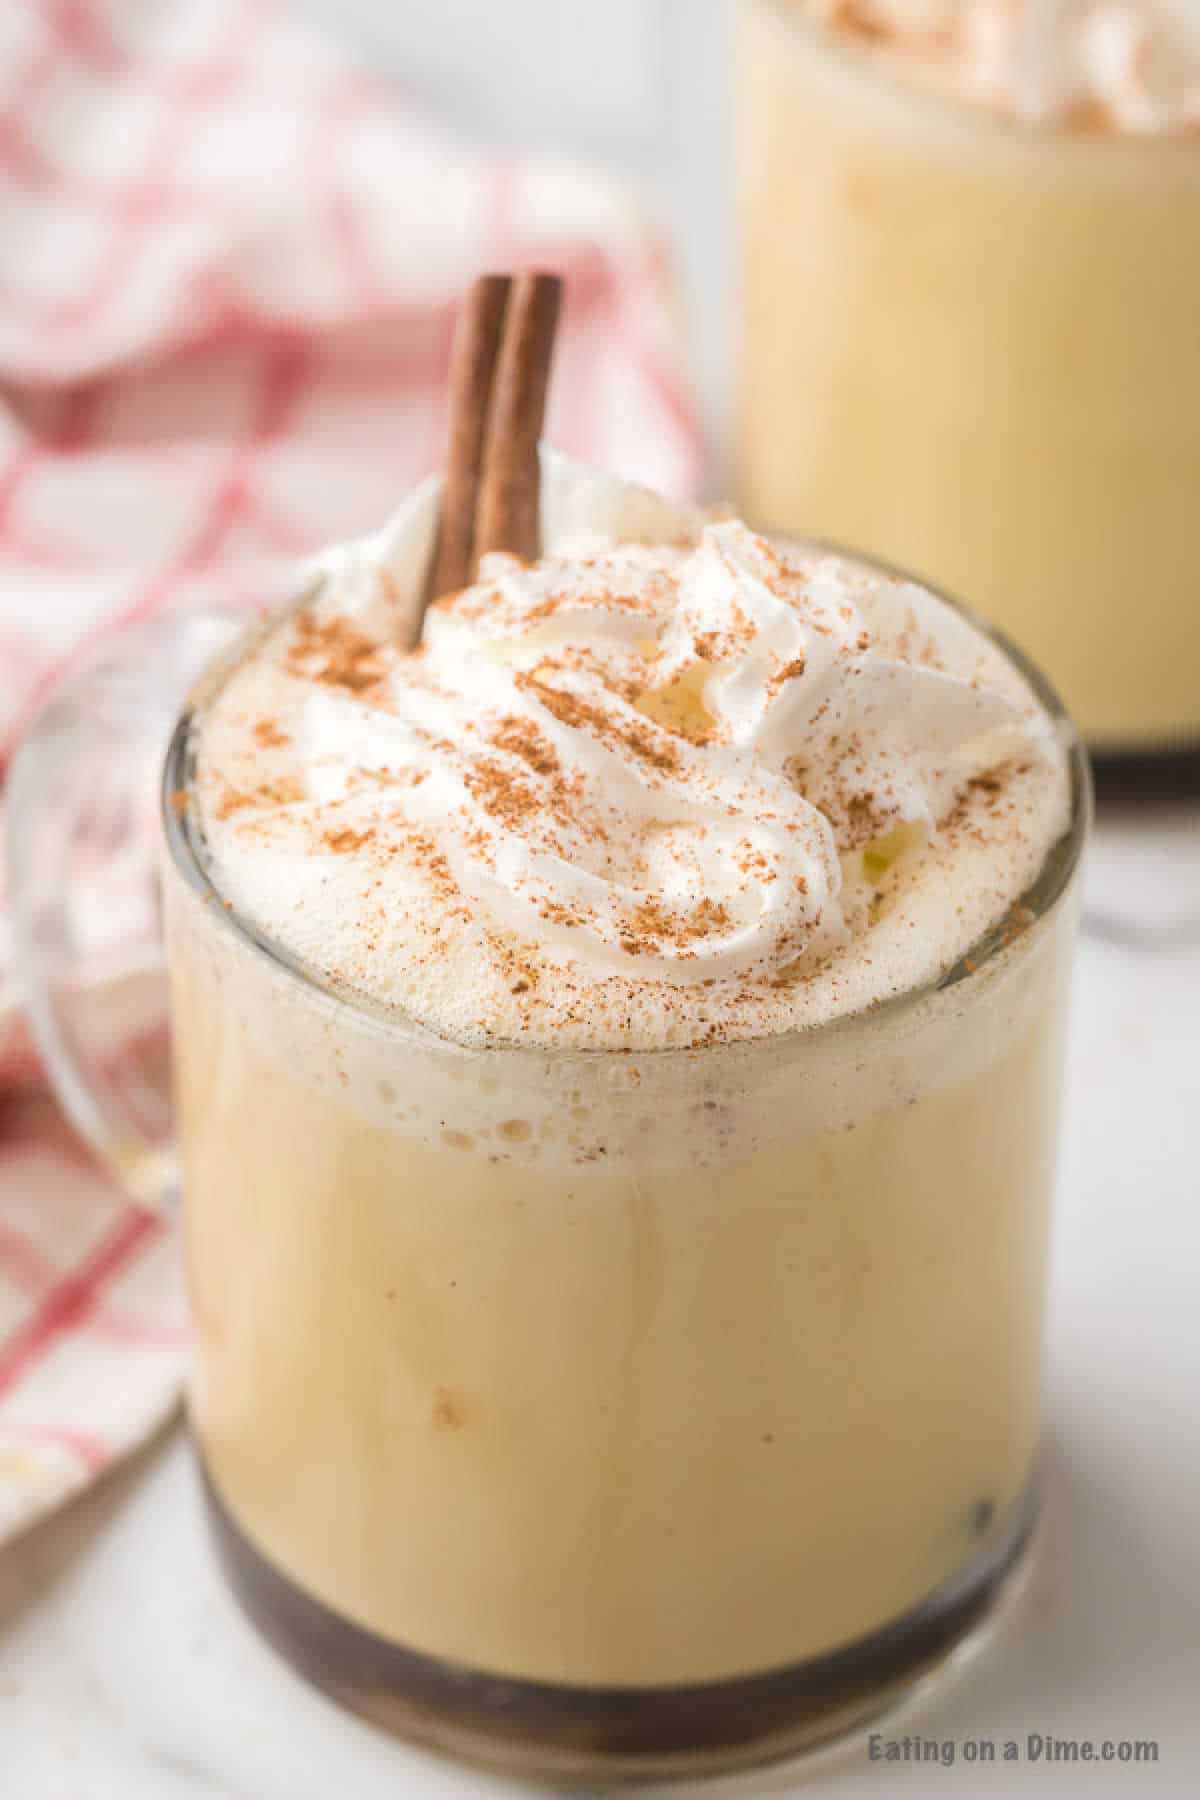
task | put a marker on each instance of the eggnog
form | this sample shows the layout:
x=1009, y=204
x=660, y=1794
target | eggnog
x=618, y=1062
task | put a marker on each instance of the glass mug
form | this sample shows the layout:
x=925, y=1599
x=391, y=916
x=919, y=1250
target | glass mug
x=591, y=1414
x=970, y=345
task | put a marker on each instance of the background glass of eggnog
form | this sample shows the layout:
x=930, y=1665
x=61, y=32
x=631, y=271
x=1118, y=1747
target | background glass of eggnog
x=970, y=344
x=596, y=1413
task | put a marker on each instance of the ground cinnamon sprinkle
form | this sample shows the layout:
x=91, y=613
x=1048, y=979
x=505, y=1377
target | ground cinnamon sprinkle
x=985, y=792
x=515, y=800
x=522, y=738
x=558, y=912
x=283, y=792
x=348, y=839
x=555, y=603
x=336, y=651
x=789, y=672
x=585, y=715
x=268, y=736
x=757, y=865
x=504, y=796
x=230, y=800
x=628, y=687
x=425, y=854
x=724, y=646
x=650, y=925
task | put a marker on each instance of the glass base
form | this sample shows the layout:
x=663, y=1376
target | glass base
x=582, y=1734
x=1135, y=777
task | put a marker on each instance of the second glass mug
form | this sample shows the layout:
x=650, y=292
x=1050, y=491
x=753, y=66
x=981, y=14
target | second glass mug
x=969, y=344
x=590, y=1414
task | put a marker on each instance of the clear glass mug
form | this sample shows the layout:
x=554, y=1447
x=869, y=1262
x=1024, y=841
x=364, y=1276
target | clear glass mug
x=595, y=1415
x=970, y=345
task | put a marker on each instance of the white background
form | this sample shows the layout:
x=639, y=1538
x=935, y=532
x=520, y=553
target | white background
x=639, y=85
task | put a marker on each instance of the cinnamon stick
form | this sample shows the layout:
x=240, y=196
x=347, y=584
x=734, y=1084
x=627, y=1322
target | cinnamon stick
x=473, y=360
x=508, y=511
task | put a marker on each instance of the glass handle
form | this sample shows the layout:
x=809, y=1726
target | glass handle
x=83, y=834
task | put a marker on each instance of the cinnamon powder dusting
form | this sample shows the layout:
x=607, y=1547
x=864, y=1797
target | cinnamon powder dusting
x=347, y=839
x=521, y=737
x=791, y=671
x=651, y=925
x=283, y=792
x=579, y=714
x=268, y=735
x=336, y=651
x=505, y=797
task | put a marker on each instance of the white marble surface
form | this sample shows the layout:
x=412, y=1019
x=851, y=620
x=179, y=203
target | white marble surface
x=126, y=1673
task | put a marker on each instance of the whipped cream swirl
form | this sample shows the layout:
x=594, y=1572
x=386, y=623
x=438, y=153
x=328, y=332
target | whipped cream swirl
x=688, y=767
x=602, y=750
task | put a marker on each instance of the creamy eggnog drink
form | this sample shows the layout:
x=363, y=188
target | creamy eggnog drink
x=618, y=1064
x=971, y=263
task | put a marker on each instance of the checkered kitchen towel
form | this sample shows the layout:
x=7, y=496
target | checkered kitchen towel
x=228, y=263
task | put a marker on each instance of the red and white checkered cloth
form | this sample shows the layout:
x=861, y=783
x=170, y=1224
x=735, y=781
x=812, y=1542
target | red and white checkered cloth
x=228, y=268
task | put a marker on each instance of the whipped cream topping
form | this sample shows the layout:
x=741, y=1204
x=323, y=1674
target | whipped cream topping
x=643, y=792
x=1123, y=66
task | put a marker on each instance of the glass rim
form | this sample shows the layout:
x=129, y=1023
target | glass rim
x=1041, y=897
x=1029, y=134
